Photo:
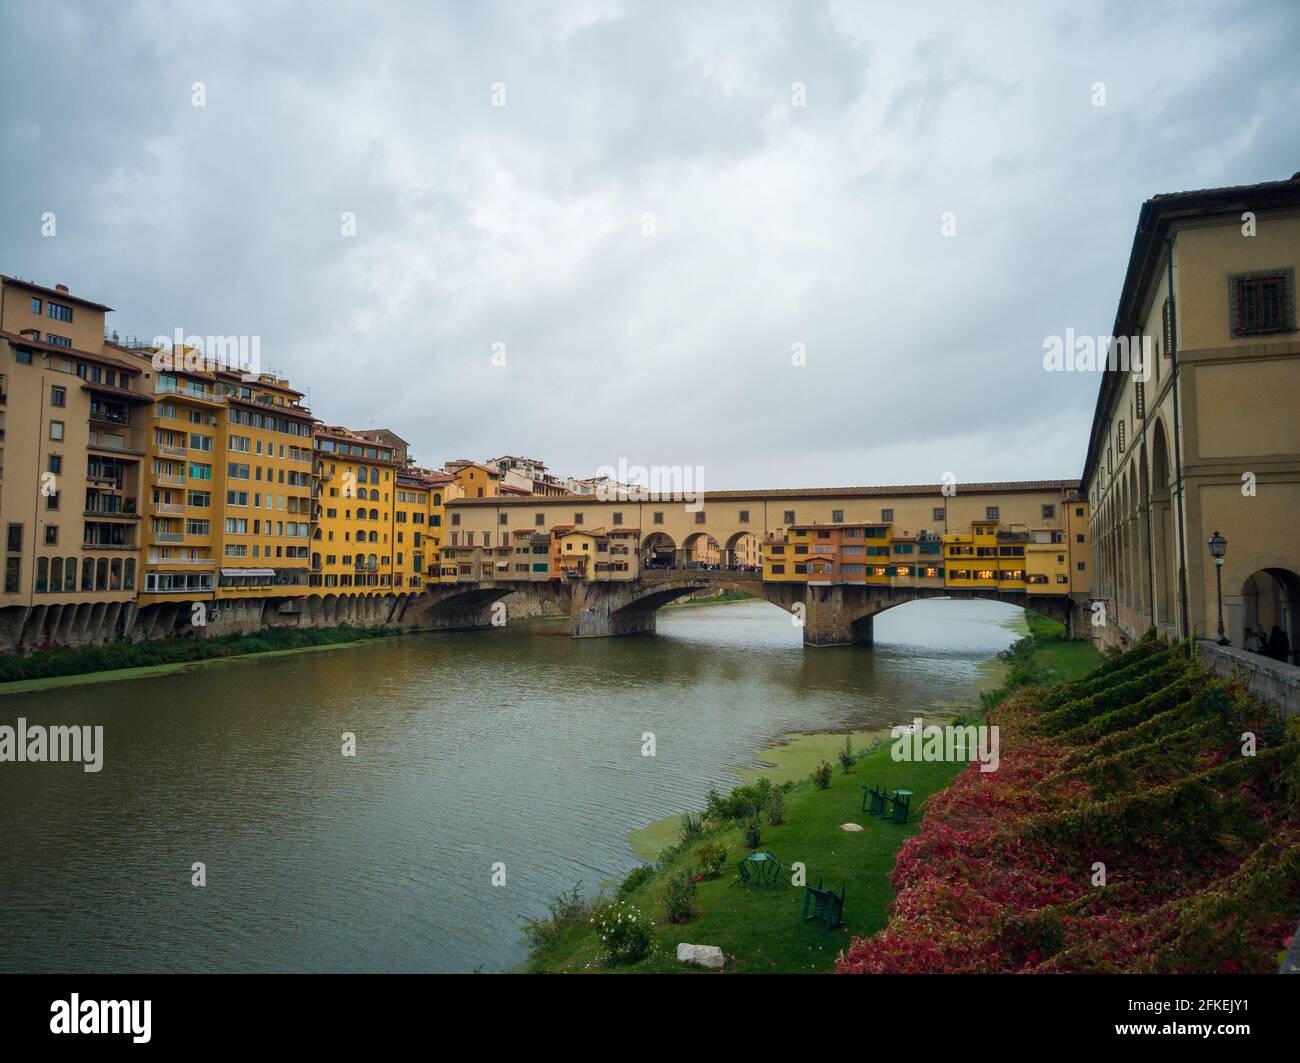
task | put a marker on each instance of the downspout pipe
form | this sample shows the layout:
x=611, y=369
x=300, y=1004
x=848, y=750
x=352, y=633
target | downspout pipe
x=1178, y=448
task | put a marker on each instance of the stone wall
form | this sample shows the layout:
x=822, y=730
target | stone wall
x=1270, y=680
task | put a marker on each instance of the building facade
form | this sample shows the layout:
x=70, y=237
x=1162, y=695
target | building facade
x=1207, y=438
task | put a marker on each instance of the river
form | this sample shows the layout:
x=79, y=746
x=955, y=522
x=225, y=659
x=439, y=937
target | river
x=519, y=747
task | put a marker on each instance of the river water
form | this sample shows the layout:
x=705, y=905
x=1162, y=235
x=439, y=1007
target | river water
x=519, y=747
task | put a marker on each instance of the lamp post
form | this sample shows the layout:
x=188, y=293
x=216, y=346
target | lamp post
x=1219, y=547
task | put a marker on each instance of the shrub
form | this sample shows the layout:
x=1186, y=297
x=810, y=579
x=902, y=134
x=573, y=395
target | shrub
x=821, y=775
x=635, y=879
x=710, y=859
x=740, y=804
x=679, y=897
x=691, y=828
x=776, y=807
x=753, y=831
x=624, y=933
x=567, y=909
x=847, y=757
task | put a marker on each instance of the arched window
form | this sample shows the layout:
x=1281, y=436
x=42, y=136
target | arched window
x=101, y=574
x=128, y=576
x=437, y=499
x=374, y=514
x=115, y=577
x=70, y=574
x=42, y=574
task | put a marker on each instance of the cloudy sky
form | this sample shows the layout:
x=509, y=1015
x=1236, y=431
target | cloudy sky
x=649, y=209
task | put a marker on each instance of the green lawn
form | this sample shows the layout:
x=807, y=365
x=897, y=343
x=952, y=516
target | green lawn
x=760, y=929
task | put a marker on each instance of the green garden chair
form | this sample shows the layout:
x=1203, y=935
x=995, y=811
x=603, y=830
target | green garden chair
x=877, y=796
x=902, y=806
x=746, y=876
x=823, y=904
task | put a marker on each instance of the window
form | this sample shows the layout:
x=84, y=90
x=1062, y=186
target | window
x=55, y=463
x=1079, y=538
x=1081, y=566
x=1140, y=400
x=991, y=513
x=659, y=516
x=15, y=543
x=58, y=341
x=1078, y=511
x=699, y=517
x=36, y=306
x=1262, y=302
x=57, y=311
x=837, y=516
x=51, y=535
x=577, y=518
x=886, y=516
x=744, y=516
x=56, y=431
x=1049, y=513
x=52, y=500
x=1167, y=326
x=939, y=513
x=1119, y=435
x=58, y=396
x=618, y=519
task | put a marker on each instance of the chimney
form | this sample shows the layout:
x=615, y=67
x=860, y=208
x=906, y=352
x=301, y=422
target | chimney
x=60, y=287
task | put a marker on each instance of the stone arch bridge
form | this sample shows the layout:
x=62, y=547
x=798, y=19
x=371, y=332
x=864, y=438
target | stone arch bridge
x=830, y=615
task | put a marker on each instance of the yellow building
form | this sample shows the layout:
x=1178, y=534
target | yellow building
x=1204, y=437
x=352, y=544
x=474, y=480
x=73, y=419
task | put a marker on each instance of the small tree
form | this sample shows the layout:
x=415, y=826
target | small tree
x=753, y=830
x=821, y=775
x=776, y=807
x=847, y=757
x=679, y=896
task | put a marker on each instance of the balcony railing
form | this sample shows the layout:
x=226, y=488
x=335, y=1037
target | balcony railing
x=168, y=537
x=169, y=507
x=171, y=451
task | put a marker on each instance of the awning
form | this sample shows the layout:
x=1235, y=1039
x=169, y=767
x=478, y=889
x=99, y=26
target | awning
x=263, y=572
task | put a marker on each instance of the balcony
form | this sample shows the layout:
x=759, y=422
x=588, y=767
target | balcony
x=168, y=537
x=174, y=508
x=170, y=451
x=169, y=478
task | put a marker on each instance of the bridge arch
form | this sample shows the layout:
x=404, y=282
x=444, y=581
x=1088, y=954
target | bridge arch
x=742, y=548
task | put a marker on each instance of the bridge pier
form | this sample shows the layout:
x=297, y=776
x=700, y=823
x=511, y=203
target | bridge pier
x=600, y=611
x=833, y=617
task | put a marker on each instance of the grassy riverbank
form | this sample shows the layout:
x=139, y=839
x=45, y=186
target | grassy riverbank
x=760, y=929
x=60, y=667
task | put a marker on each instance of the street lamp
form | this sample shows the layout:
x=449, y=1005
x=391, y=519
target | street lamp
x=1219, y=547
